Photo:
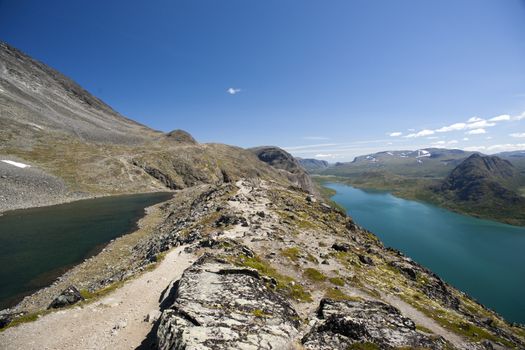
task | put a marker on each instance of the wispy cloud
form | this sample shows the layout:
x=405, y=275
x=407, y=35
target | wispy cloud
x=518, y=134
x=421, y=133
x=304, y=147
x=506, y=147
x=316, y=138
x=322, y=155
x=474, y=119
x=233, y=91
x=500, y=118
x=395, y=134
x=453, y=127
x=476, y=131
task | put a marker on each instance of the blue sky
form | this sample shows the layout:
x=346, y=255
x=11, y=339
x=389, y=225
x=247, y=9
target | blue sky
x=327, y=79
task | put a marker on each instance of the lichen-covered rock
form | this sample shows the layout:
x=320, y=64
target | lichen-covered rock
x=376, y=324
x=69, y=296
x=216, y=305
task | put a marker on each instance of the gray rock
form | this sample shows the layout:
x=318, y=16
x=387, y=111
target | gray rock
x=69, y=296
x=216, y=305
x=343, y=323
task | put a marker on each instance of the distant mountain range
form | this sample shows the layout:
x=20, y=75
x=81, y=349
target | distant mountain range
x=467, y=182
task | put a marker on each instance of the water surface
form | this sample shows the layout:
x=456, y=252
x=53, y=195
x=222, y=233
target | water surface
x=38, y=245
x=484, y=258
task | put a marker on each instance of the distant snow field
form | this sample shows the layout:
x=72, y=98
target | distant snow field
x=17, y=164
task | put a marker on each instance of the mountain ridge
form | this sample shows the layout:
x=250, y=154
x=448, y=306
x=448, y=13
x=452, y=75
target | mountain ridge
x=243, y=256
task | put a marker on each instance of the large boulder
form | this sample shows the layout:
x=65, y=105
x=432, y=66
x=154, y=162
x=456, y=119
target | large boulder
x=348, y=324
x=216, y=305
x=69, y=296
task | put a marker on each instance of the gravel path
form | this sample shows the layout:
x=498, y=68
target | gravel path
x=117, y=321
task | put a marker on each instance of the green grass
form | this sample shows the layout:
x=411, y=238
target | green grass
x=260, y=313
x=363, y=346
x=25, y=319
x=338, y=281
x=337, y=294
x=292, y=253
x=285, y=284
x=314, y=275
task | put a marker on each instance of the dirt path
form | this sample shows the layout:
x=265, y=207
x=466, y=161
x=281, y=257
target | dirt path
x=114, y=322
x=421, y=319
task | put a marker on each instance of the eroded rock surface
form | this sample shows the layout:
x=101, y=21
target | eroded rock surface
x=216, y=305
x=372, y=323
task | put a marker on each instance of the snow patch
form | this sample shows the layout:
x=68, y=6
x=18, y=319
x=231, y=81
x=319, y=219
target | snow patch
x=36, y=126
x=422, y=153
x=390, y=153
x=17, y=164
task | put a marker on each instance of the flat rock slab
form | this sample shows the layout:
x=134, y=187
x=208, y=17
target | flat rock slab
x=216, y=305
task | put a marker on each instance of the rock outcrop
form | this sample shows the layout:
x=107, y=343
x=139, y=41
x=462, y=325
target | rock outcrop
x=69, y=296
x=287, y=164
x=348, y=324
x=216, y=305
x=180, y=136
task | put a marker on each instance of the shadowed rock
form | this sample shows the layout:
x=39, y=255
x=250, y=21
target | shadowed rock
x=376, y=324
x=69, y=296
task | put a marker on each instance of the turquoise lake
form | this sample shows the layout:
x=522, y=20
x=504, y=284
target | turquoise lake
x=483, y=258
x=38, y=245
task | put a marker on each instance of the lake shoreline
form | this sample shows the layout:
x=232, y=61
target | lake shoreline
x=408, y=196
x=84, y=196
x=75, y=272
x=473, y=254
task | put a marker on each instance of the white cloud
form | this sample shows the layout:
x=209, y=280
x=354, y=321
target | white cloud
x=476, y=131
x=453, y=142
x=465, y=139
x=233, y=91
x=432, y=137
x=518, y=134
x=480, y=124
x=453, y=127
x=322, y=155
x=500, y=118
x=474, y=148
x=519, y=117
x=425, y=132
x=474, y=119
x=395, y=133
x=507, y=147
x=488, y=138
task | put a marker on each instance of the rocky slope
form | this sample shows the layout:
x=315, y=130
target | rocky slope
x=313, y=165
x=270, y=267
x=75, y=146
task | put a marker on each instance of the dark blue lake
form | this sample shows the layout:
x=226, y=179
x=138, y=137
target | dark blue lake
x=38, y=245
x=484, y=258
